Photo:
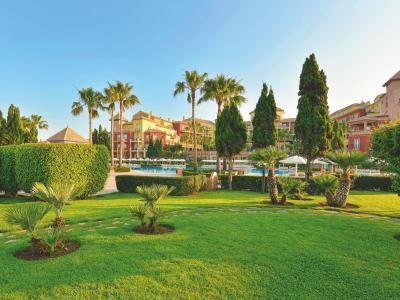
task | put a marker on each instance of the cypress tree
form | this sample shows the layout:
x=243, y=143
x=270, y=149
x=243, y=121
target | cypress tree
x=15, y=131
x=3, y=129
x=313, y=127
x=230, y=135
x=264, y=131
x=338, y=136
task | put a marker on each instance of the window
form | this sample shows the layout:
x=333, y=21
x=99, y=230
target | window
x=357, y=143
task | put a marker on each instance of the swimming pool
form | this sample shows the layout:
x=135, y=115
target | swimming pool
x=172, y=170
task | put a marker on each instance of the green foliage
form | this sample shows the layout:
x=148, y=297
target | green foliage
x=185, y=185
x=292, y=186
x=264, y=131
x=313, y=127
x=155, y=150
x=174, y=151
x=27, y=216
x=243, y=183
x=139, y=212
x=325, y=183
x=372, y=183
x=385, y=145
x=153, y=193
x=15, y=130
x=338, y=136
x=347, y=160
x=101, y=137
x=268, y=156
x=123, y=169
x=3, y=130
x=86, y=165
x=7, y=169
x=52, y=238
x=231, y=134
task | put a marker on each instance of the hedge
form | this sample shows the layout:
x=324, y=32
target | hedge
x=243, y=183
x=372, y=183
x=8, y=182
x=184, y=185
x=86, y=165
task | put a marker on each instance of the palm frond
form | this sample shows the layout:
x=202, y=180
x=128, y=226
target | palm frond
x=26, y=216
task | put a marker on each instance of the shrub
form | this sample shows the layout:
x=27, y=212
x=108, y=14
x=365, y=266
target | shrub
x=372, y=183
x=8, y=182
x=243, y=183
x=85, y=165
x=123, y=169
x=184, y=185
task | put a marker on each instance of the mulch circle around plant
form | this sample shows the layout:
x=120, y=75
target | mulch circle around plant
x=161, y=229
x=278, y=204
x=29, y=254
x=397, y=237
x=348, y=205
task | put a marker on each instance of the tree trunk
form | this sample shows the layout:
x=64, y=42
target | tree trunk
x=272, y=186
x=283, y=199
x=59, y=222
x=330, y=199
x=90, y=126
x=263, y=180
x=218, y=159
x=112, y=138
x=308, y=173
x=194, y=132
x=230, y=174
x=343, y=190
x=121, y=135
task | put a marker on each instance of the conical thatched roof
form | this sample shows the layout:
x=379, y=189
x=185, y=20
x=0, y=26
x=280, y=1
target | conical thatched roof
x=67, y=135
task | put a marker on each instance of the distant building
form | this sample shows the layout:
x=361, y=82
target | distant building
x=67, y=135
x=363, y=118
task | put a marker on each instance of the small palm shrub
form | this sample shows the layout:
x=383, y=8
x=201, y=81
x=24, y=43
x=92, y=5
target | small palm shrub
x=347, y=161
x=28, y=217
x=56, y=195
x=292, y=187
x=328, y=184
x=149, y=213
x=53, y=238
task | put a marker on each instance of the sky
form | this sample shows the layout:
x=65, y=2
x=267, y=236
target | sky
x=50, y=49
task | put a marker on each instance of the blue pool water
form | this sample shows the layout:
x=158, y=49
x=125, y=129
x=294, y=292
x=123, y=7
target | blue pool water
x=172, y=170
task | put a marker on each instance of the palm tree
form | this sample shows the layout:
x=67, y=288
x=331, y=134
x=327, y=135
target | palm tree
x=123, y=94
x=110, y=99
x=291, y=186
x=57, y=196
x=347, y=161
x=223, y=90
x=39, y=122
x=271, y=156
x=92, y=100
x=258, y=158
x=328, y=185
x=192, y=82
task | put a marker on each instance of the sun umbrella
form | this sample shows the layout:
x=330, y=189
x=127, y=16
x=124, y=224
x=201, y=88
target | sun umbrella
x=296, y=160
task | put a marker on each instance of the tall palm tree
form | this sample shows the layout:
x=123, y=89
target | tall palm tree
x=110, y=100
x=90, y=99
x=192, y=82
x=223, y=90
x=123, y=94
x=38, y=122
x=347, y=161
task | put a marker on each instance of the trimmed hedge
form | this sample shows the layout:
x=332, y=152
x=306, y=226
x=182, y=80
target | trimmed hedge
x=243, y=183
x=372, y=183
x=67, y=163
x=8, y=182
x=184, y=185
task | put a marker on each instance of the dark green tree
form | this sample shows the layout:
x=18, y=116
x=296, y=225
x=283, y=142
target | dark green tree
x=338, y=141
x=3, y=129
x=230, y=136
x=313, y=127
x=155, y=149
x=264, y=131
x=385, y=145
x=15, y=130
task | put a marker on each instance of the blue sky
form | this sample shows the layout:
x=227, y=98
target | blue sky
x=49, y=49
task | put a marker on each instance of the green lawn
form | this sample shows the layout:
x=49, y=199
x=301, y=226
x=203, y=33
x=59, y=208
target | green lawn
x=226, y=245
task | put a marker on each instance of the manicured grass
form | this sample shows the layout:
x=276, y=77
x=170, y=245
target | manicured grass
x=226, y=245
